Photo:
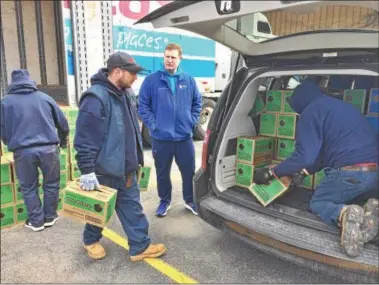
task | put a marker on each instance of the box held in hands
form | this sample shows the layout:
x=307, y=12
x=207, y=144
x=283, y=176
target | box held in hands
x=93, y=207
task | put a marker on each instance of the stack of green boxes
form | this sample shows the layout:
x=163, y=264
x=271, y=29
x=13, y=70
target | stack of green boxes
x=7, y=214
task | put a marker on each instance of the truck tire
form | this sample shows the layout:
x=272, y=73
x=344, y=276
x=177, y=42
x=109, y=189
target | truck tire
x=146, y=138
x=207, y=108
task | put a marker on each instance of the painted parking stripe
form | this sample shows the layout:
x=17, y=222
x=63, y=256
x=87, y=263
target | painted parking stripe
x=157, y=263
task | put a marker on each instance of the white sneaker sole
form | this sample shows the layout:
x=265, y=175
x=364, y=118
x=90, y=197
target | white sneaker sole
x=49, y=224
x=192, y=210
x=35, y=229
x=165, y=213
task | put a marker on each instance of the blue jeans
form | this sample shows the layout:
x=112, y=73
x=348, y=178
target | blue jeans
x=27, y=162
x=130, y=213
x=341, y=187
x=164, y=153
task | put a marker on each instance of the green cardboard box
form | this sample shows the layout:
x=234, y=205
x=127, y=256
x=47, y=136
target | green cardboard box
x=75, y=172
x=259, y=106
x=60, y=200
x=244, y=174
x=286, y=107
x=285, y=148
x=7, y=193
x=318, y=177
x=274, y=101
x=6, y=171
x=286, y=126
x=267, y=125
x=308, y=182
x=7, y=216
x=144, y=177
x=63, y=161
x=255, y=150
x=356, y=97
x=268, y=193
x=92, y=207
x=21, y=212
x=73, y=153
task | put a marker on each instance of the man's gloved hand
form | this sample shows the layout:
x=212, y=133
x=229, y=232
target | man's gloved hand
x=298, y=177
x=263, y=176
x=89, y=182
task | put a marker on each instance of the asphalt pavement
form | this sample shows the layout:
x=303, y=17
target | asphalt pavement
x=196, y=251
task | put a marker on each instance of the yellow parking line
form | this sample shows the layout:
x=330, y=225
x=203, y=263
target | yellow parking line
x=158, y=264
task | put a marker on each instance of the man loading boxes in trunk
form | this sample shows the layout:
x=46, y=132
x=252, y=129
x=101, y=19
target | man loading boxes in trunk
x=109, y=150
x=334, y=135
x=29, y=123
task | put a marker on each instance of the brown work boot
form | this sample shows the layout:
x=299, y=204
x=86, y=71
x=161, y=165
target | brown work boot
x=369, y=226
x=154, y=250
x=95, y=250
x=351, y=219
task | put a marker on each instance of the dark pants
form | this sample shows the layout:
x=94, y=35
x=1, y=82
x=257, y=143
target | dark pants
x=130, y=213
x=27, y=162
x=164, y=153
x=341, y=187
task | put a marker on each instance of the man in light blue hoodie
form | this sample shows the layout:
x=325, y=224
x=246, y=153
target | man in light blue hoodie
x=170, y=105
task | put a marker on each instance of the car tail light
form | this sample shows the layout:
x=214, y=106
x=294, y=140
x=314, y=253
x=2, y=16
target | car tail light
x=204, y=157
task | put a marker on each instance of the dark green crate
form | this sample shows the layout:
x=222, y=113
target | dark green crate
x=21, y=213
x=7, y=216
x=6, y=194
x=6, y=171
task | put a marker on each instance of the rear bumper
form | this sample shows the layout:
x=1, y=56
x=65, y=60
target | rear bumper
x=317, y=250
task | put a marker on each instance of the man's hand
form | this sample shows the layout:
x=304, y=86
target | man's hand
x=263, y=176
x=89, y=182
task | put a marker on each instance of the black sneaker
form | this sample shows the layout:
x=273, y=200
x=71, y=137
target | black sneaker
x=29, y=225
x=50, y=222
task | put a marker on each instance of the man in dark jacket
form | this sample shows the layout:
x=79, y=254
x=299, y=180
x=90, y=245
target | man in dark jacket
x=170, y=105
x=29, y=123
x=109, y=149
x=334, y=136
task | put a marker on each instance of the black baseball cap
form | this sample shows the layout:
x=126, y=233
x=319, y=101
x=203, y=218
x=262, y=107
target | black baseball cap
x=124, y=61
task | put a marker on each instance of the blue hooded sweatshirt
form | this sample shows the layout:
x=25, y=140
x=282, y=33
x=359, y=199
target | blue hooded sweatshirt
x=29, y=117
x=329, y=133
x=169, y=106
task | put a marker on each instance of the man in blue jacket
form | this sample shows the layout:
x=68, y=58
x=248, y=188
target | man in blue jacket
x=334, y=136
x=170, y=105
x=33, y=127
x=109, y=150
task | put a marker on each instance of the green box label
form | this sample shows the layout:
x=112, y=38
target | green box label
x=6, y=176
x=6, y=194
x=84, y=203
x=286, y=126
x=244, y=174
x=145, y=177
x=267, y=193
x=285, y=148
x=7, y=217
x=356, y=97
x=286, y=107
x=21, y=213
x=268, y=124
x=274, y=100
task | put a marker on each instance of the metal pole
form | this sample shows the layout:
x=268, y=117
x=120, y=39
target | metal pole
x=59, y=41
x=41, y=43
x=20, y=34
x=4, y=79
